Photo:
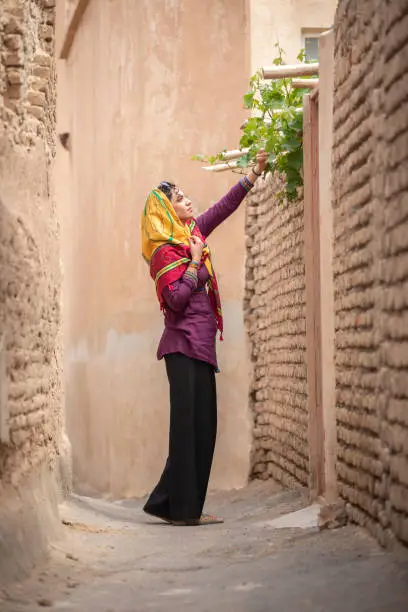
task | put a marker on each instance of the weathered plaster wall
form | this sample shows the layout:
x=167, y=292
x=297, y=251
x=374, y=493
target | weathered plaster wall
x=370, y=180
x=150, y=84
x=275, y=318
x=282, y=21
x=31, y=406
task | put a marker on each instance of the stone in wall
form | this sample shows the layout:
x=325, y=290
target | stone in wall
x=275, y=319
x=371, y=262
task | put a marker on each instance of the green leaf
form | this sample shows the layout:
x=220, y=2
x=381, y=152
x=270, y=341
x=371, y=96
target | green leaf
x=295, y=159
x=271, y=143
x=256, y=78
x=279, y=133
x=253, y=124
x=249, y=100
x=292, y=144
x=243, y=161
x=272, y=99
x=301, y=55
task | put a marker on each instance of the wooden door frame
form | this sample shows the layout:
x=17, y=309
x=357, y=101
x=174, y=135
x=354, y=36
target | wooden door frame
x=312, y=280
x=318, y=244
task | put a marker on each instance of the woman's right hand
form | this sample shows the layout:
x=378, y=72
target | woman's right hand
x=196, y=246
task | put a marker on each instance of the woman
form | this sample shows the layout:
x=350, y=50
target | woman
x=174, y=245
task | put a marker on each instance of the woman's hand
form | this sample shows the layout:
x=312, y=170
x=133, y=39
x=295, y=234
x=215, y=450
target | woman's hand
x=261, y=161
x=258, y=169
x=196, y=246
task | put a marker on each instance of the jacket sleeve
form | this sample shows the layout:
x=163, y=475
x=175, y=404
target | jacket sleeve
x=214, y=216
x=178, y=294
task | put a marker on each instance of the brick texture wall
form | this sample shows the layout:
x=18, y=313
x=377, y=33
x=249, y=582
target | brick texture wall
x=275, y=319
x=29, y=249
x=370, y=178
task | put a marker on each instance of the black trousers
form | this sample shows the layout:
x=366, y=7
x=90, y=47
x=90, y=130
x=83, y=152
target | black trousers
x=182, y=488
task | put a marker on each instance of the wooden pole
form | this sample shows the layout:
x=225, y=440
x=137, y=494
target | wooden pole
x=305, y=83
x=220, y=167
x=296, y=70
x=234, y=154
x=229, y=156
x=312, y=291
x=327, y=306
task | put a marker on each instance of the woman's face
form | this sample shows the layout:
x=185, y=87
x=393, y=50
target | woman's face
x=181, y=205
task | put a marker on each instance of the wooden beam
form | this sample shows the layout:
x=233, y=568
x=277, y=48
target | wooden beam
x=229, y=156
x=326, y=55
x=314, y=95
x=312, y=295
x=305, y=83
x=234, y=154
x=295, y=70
x=220, y=167
x=73, y=26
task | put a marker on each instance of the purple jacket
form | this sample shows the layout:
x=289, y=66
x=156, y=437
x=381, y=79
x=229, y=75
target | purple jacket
x=190, y=326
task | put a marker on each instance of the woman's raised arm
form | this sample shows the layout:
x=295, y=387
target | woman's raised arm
x=209, y=220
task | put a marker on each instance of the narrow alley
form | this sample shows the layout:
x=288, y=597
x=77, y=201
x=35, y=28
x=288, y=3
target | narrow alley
x=268, y=556
x=129, y=131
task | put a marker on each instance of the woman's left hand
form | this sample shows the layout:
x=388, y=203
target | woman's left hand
x=261, y=161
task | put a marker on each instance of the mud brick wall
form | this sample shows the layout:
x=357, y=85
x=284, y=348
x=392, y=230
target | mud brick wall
x=275, y=319
x=29, y=240
x=370, y=179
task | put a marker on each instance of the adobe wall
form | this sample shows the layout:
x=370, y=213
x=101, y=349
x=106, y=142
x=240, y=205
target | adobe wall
x=143, y=93
x=30, y=382
x=276, y=323
x=370, y=181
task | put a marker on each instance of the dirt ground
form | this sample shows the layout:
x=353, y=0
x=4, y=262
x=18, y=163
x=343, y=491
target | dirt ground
x=114, y=558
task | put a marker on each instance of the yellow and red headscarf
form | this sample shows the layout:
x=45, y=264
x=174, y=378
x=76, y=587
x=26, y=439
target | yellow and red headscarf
x=166, y=248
